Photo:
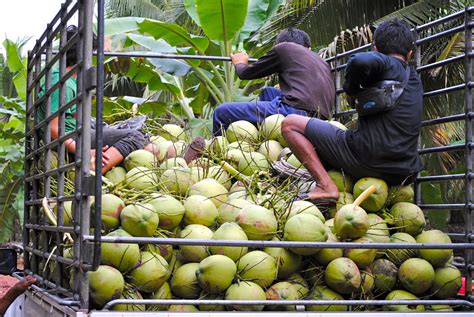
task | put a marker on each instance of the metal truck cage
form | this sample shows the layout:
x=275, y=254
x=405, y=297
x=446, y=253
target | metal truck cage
x=47, y=163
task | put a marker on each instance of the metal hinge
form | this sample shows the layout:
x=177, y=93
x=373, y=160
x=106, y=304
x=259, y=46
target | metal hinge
x=91, y=79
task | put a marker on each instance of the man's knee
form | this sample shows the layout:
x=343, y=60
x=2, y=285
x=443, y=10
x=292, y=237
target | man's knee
x=292, y=122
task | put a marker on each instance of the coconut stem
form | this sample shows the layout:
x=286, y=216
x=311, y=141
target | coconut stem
x=365, y=194
x=233, y=172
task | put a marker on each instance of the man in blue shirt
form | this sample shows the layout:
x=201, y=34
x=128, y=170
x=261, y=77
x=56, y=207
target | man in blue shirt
x=384, y=145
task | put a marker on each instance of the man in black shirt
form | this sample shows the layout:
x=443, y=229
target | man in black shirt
x=306, y=83
x=384, y=145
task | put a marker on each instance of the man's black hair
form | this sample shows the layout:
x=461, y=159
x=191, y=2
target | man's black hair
x=294, y=35
x=71, y=55
x=394, y=37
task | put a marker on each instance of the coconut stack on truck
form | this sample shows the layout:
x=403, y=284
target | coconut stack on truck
x=231, y=193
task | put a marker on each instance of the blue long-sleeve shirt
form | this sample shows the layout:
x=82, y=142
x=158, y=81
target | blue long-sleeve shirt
x=388, y=141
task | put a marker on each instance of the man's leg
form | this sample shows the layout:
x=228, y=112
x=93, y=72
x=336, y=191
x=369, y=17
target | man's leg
x=293, y=129
x=254, y=112
x=269, y=93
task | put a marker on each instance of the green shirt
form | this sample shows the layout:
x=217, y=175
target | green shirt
x=70, y=114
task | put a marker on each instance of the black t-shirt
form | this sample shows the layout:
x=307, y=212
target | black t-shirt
x=386, y=142
x=305, y=78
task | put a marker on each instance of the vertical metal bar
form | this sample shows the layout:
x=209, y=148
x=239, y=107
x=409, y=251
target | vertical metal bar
x=417, y=184
x=338, y=82
x=98, y=132
x=468, y=218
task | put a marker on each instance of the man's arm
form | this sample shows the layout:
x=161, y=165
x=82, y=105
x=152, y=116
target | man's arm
x=364, y=68
x=265, y=66
x=19, y=288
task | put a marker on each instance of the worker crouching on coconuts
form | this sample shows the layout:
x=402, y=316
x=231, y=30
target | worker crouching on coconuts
x=384, y=145
x=307, y=86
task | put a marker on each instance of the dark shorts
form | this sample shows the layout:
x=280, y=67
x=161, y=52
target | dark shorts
x=334, y=152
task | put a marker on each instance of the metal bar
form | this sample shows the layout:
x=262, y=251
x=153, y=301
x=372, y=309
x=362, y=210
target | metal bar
x=56, y=199
x=439, y=21
x=445, y=148
x=280, y=244
x=468, y=108
x=98, y=135
x=442, y=206
x=434, y=178
x=455, y=117
x=62, y=228
x=52, y=171
x=443, y=62
x=350, y=52
x=53, y=143
x=441, y=34
x=45, y=255
x=62, y=108
x=436, y=92
x=284, y=302
x=172, y=56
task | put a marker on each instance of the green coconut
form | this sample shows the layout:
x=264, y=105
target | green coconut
x=282, y=291
x=258, y=267
x=368, y=281
x=116, y=175
x=152, y=272
x=271, y=149
x=293, y=161
x=258, y=222
x=287, y=261
x=164, y=292
x=345, y=198
x=190, y=253
x=325, y=293
x=165, y=250
x=184, y=282
x=216, y=273
x=408, y=217
x=246, y=290
x=157, y=139
x=130, y=294
x=385, y=275
x=172, y=132
x=416, y=275
x=173, y=162
x=351, y=222
x=437, y=257
x=162, y=150
x=111, y=208
x=229, y=231
x=180, y=147
x=439, y=308
x=343, y=275
x=177, y=180
x=170, y=211
x=270, y=129
x=362, y=257
x=218, y=145
x=344, y=182
x=200, y=210
x=242, y=131
x=211, y=189
x=252, y=162
x=378, y=229
x=447, y=282
x=122, y=256
x=140, y=220
x=376, y=200
x=330, y=224
x=67, y=213
x=205, y=296
x=229, y=210
x=220, y=175
x=305, y=227
x=302, y=206
x=243, y=195
x=140, y=158
x=398, y=256
x=105, y=284
x=400, y=295
x=241, y=145
x=141, y=178
x=399, y=194
x=183, y=308
x=326, y=255
x=300, y=284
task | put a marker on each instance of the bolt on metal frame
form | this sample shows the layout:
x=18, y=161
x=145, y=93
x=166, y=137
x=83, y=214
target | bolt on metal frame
x=87, y=246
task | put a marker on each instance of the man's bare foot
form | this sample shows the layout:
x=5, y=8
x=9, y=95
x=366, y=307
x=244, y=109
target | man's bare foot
x=195, y=149
x=329, y=192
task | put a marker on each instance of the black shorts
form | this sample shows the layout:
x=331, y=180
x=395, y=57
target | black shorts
x=334, y=152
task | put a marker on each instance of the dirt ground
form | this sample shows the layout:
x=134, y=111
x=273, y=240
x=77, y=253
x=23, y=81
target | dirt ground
x=6, y=282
